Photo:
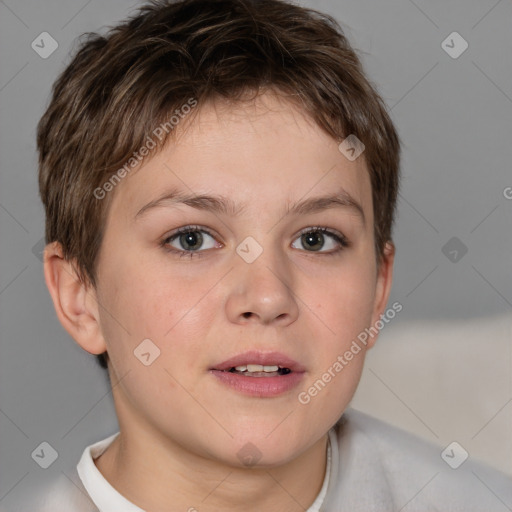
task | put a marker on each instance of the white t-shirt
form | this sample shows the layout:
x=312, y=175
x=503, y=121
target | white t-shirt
x=371, y=467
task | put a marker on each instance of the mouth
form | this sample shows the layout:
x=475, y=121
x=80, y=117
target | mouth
x=259, y=374
x=258, y=370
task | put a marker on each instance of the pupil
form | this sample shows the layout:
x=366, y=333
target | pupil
x=314, y=240
x=191, y=240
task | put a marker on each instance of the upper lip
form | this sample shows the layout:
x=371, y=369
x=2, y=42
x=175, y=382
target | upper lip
x=263, y=358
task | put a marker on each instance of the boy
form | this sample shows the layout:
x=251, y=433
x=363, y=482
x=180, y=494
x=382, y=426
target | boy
x=220, y=182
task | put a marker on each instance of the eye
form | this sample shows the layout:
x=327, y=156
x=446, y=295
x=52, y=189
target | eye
x=321, y=240
x=190, y=239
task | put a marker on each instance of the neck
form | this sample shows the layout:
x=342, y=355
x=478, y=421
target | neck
x=152, y=477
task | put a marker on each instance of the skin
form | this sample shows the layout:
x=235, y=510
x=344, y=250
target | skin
x=181, y=428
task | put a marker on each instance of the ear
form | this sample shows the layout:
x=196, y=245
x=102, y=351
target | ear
x=75, y=302
x=383, y=287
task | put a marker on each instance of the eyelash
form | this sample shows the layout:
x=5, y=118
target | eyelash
x=182, y=231
x=337, y=236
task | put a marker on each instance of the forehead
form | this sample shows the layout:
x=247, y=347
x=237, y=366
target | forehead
x=255, y=153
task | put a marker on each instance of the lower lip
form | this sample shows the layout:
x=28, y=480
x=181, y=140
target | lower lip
x=263, y=387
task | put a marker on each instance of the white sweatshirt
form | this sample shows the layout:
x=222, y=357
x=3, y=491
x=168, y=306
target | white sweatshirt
x=371, y=467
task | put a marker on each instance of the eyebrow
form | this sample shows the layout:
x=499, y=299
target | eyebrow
x=225, y=205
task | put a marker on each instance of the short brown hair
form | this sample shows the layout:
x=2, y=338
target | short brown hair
x=121, y=86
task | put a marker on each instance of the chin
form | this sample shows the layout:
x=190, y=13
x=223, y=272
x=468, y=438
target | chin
x=261, y=450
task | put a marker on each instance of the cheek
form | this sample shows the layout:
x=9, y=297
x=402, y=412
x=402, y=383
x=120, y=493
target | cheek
x=146, y=301
x=345, y=309
x=345, y=302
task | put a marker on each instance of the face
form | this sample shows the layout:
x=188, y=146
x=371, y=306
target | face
x=246, y=242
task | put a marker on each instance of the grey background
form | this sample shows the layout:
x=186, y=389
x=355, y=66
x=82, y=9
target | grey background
x=454, y=117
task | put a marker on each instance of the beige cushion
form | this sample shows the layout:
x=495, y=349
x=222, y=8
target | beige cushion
x=445, y=381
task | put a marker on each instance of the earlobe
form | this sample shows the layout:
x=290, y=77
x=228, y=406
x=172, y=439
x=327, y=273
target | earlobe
x=383, y=287
x=75, y=302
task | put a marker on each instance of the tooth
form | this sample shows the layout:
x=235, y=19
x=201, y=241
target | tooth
x=254, y=368
x=270, y=368
x=241, y=368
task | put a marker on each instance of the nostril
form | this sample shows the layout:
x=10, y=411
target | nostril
x=247, y=314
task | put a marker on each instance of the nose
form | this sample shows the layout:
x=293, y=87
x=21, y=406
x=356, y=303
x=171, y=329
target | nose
x=262, y=291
